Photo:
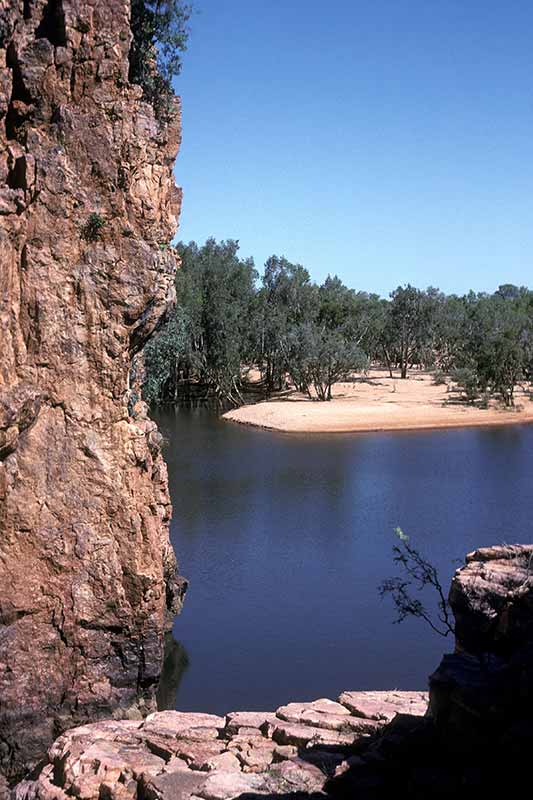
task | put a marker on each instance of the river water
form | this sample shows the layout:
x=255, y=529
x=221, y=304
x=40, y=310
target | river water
x=286, y=538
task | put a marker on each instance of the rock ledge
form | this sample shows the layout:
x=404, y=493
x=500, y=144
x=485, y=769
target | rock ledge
x=173, y=754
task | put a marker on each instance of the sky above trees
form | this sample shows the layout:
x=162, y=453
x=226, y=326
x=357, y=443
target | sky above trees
x=387, y=141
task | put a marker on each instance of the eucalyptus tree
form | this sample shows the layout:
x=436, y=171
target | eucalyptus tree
x=218, y=289
x=407, y=326
x=500, y=343
x=318, y=357
x=287, y=298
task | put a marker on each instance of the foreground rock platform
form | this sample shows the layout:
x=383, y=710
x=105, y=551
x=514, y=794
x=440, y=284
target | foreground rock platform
x=174, y=755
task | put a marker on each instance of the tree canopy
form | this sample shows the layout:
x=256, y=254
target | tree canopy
x=229, y=320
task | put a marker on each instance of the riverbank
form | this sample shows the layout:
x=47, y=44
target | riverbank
x=379, y=403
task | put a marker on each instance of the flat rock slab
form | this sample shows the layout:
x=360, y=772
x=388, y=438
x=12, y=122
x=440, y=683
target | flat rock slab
x=225, y=762
x=198, y=753
x=254, y=754
x=295, y=776
x=325, y=714
x=383, y=706
x=181, y=725
x=307, y=736
x=178, y=785
x=227, y=785
x=248, y=719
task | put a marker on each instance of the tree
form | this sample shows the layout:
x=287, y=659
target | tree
x=407, y=326
x=217, y=288
x=467, y=382
x=337, y=304
x=499, y=344
x=448, y=332
x=419, y=574
x=207, y=339
x=319, y=357
x=166, y=356
x=287, y=298
x=160, y=33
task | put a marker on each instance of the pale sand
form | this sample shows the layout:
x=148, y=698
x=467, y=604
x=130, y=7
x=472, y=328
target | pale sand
x=379, y=404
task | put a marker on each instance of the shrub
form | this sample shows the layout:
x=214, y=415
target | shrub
x=160, y=34
x=439, y=378
x=467, y=381
x=92, y=230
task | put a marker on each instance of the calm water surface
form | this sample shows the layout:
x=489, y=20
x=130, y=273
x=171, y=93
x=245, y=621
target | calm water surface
x=285, y=540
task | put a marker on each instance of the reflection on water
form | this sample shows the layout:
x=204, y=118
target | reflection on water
x=175, y=662
x=285, y=540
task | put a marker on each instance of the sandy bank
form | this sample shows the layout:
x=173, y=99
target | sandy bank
x=378, y=403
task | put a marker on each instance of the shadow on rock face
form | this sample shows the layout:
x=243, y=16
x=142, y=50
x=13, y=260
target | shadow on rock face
x=175, y=663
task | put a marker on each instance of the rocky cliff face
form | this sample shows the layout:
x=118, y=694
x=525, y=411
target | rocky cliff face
x=87, y=207
x=482, y=694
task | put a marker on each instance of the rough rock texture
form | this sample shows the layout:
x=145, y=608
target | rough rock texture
x=87, y=205
x=482, y=695
x=476, y=739
x=179, y=755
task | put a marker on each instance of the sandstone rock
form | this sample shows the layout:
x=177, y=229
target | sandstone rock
x=184, y=725
x=383, y=706
x=254, y=753
x=226, y=785
x=166, y=756
x=326, y=760
x=306, y=735
x=492, y=600
x=248, y=719
x=282, y=752
x=485, y=688
x=86, y=568
x=177, y=785
x=325, y=714
x=225, y=762
x=197, y=753
x=294, y=776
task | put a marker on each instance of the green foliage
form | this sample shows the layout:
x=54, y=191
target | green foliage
x=319, y=357
x=207, y=338
x=467, y=382
x=501, y=342
x=287, y=326
x=160, y=33
x=287, y=298
x=407, y=327
x=91, y=231
x=166, y=359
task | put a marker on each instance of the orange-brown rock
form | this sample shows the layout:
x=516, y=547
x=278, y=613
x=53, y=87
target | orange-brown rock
x=87, y=207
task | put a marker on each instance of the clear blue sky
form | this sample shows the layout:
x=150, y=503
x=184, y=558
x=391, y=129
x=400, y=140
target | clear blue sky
x=386, y=141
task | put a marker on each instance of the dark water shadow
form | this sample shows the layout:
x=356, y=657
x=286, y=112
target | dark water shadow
x=175, y=664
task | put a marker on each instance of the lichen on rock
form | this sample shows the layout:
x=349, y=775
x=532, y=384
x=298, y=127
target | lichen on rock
x=87, y=198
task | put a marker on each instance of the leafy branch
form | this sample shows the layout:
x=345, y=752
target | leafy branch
x=419, y=573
